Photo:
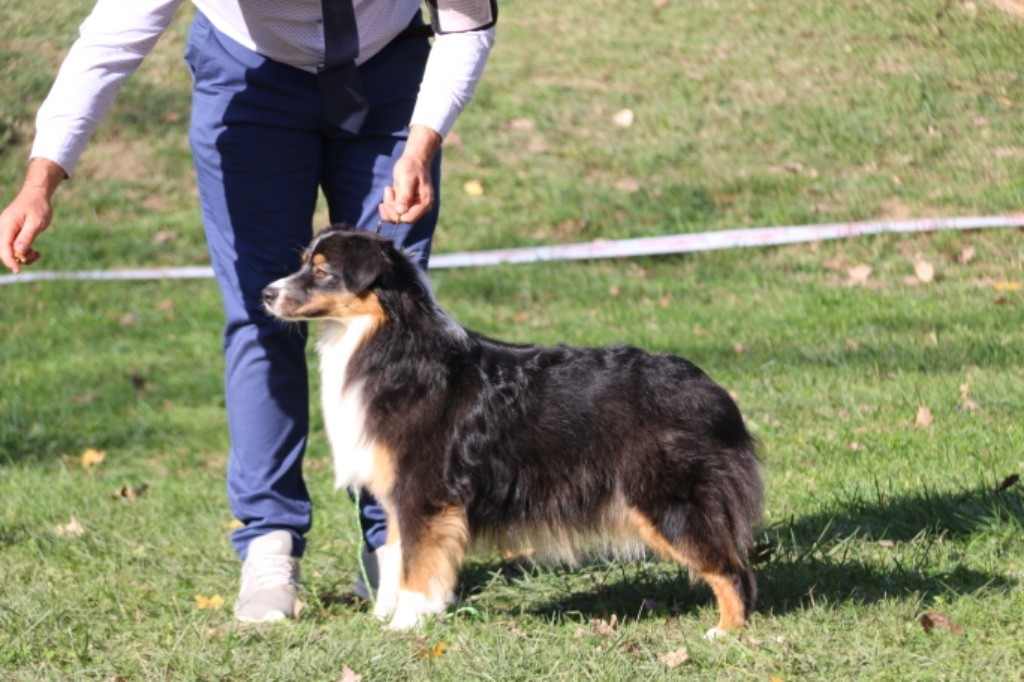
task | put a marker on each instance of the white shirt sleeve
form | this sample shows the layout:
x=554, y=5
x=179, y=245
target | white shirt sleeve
x=453, y=70
x=113, y=40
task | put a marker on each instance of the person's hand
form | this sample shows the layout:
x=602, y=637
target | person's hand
x=411, y=194
x=29, y=214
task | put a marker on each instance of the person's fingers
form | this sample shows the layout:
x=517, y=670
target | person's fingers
x=415, y=212
x=30, y=229
x=402, y=197
x=387, y=207
x=20, y=224
x=387, y=214
x=10, y=226
x=410, y=196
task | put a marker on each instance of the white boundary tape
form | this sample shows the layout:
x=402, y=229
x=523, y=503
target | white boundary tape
x=621, y=248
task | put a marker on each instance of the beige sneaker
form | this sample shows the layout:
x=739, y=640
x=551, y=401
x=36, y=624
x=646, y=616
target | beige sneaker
x=270, y=577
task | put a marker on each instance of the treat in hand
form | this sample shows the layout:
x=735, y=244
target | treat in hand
x=27, y=258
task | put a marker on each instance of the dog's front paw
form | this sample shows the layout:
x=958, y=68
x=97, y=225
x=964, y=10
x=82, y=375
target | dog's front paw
x=411, y=608
x=714, y=633
x=387, y=602
x=404, y=621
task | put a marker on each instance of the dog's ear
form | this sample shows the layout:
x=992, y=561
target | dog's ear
x=364, y=261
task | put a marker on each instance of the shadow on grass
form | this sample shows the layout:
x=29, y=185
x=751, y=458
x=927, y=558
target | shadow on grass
x=858, y=552
x=879, y=546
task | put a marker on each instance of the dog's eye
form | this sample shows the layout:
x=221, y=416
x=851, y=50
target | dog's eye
x=322, y=272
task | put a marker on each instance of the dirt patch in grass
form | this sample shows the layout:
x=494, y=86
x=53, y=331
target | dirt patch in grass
x=1015, y=7
x=116, y=159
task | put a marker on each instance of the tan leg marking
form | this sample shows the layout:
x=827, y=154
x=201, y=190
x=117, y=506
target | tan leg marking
x=382, y=477
x=433, y=566
x=730, y=601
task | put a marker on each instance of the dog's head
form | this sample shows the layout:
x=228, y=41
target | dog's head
x=339, y=273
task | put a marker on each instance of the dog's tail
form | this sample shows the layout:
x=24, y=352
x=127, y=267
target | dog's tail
x=744, y=490
x=707, y=504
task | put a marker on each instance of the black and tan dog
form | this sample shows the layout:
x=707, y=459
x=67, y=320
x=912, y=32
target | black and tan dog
x=469, y=440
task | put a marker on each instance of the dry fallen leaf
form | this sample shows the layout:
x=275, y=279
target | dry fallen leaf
x=937, y=621
x=131, y=492
x=966, y=255
x=520, y=124
x=212, y=603
x=674, y=659
x=624, y=118
x=348, y=675
x=603, y=627
x=924, y=417
x=71, y=529
x=859, y=274
x=514, y=628
x=924, y=271
x=91, y=458
x=426, y=652
x=787, y=167
x=473, y=188
x=966, y=403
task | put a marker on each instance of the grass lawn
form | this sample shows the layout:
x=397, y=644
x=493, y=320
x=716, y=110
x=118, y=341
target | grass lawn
x=886, y=398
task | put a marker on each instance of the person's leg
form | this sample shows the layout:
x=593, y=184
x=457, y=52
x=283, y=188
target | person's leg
x=356, y=171
x=257, y=147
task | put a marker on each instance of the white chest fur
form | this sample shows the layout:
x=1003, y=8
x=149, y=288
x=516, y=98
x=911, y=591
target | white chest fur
x=343, y=406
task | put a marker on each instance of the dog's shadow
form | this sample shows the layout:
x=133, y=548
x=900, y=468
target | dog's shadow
x=860, y=551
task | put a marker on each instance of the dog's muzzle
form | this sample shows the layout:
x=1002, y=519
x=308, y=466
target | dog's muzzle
x=270, y=294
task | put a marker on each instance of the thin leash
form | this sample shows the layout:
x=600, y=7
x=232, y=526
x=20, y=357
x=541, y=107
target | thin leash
x=380, y=224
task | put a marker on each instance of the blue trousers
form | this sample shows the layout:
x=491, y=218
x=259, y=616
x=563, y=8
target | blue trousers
x=262, y=148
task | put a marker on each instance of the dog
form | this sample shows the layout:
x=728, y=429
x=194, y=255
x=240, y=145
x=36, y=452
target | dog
x=467, y=441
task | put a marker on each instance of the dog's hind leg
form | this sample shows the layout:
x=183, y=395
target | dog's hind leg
x=432, y=553
x=719, y=565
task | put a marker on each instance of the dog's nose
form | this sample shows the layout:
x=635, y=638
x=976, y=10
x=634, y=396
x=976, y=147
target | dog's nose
x=270, y=295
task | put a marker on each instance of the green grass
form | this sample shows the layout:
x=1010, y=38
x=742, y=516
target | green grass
x=746, y=114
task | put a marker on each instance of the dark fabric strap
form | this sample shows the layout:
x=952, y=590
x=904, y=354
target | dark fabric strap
x=340, y=86
x=416, y=30
x=341, y=37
